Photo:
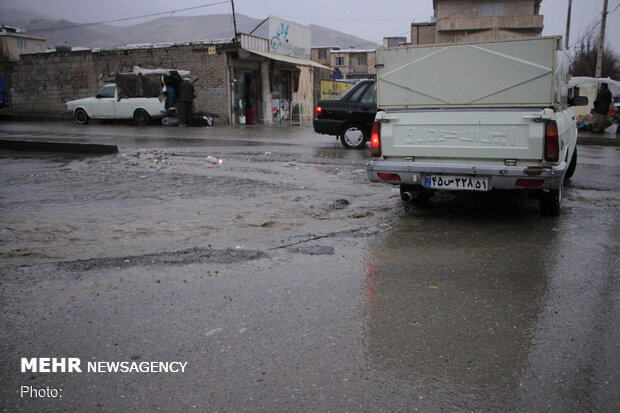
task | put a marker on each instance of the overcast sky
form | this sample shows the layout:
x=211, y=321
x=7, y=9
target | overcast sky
x=368, y=19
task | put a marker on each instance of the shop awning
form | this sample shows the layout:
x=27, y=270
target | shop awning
x=290, y=59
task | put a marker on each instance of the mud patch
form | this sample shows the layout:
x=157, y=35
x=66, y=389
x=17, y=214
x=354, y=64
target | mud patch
x=313, y=250
x=183, y=257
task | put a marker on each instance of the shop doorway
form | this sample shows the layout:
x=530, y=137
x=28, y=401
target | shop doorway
x=247, y=97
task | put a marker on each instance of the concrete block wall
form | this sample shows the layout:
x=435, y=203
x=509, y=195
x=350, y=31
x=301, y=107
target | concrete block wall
x=461, y=21
x=42, y=83
x=212, y=89
x=469, y=9
x=423, y=33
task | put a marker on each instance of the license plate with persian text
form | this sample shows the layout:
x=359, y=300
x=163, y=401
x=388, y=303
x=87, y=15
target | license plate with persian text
x=457, y=182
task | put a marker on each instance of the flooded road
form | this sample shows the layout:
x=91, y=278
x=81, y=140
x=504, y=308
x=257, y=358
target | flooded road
x=287, y=282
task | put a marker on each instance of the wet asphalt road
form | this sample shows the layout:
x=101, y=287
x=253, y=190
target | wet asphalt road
x=287, y=282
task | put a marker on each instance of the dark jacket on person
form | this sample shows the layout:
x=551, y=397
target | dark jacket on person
x=186, y=91
x=603, y=100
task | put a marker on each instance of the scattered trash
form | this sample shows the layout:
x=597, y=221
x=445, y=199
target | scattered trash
x=171, y=121
x=214, y=160
x=213, y=331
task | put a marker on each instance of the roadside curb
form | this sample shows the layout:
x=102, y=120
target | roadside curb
x=42, y=146
x=598, y=140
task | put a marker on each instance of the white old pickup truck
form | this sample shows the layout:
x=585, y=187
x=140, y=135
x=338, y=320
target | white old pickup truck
x=107, y=104
x=137, y=95
x=475, y=117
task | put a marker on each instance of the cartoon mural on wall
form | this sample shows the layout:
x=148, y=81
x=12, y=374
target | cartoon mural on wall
x=288, y=38
x=280, y=43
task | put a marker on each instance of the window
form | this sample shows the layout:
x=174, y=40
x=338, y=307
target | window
x=355, y=96
x=370, y=98
x=21, y=44
x=38, y=48
x=322, y=54
x=107, y=91
x=362, y=61
x=493, y=9
x=339, y=61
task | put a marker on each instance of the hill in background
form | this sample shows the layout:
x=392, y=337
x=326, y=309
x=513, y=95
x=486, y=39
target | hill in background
x=161, y=30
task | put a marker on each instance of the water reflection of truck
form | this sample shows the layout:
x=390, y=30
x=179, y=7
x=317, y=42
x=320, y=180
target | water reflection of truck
x=475, y=117
x=446, y=318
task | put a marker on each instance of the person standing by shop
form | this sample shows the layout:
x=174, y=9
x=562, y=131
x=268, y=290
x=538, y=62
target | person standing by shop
x=601, y=108
x=185, y=101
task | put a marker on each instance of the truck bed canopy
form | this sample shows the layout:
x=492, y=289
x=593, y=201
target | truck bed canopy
x=145, y=82
x=501, y=73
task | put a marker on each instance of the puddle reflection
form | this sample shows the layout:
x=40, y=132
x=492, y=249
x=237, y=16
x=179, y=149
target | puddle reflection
x=452, y=303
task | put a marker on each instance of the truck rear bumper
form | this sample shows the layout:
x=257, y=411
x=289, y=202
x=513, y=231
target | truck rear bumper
x=499, y=177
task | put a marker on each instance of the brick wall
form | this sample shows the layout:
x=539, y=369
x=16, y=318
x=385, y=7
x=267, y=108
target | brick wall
x=471, y=8
x=423, y=33
x=462, y=21
x=43, y=82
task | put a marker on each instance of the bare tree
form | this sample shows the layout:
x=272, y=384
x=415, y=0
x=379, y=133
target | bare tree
x=584, y=61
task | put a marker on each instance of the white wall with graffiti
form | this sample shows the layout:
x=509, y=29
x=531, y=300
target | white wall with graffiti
x=288, y=38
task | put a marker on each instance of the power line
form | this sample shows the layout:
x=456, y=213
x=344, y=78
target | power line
x=74, y=26
x=593, y=26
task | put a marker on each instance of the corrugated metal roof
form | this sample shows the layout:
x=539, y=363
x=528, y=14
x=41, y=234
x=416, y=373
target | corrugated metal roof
x=290, y=59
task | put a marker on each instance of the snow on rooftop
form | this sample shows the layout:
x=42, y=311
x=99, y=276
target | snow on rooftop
x=166, y=44
x=355, y=51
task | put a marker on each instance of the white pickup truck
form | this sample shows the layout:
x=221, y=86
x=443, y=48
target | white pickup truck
x=107, y=104
x=475, y=117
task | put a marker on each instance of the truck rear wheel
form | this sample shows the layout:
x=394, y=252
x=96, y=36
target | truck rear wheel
x=551, y=202
x=572, y=165
x=354, y=137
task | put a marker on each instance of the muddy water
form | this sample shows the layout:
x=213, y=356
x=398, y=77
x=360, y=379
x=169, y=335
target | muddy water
x=289, y=283
x=147, y=201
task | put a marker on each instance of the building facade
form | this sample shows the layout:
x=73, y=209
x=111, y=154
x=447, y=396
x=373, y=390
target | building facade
x=322, y=54
x=394, y=41
x=43, y=82
x=472, y=20
x=14, y=42
x=354, y=63
x=238, y=81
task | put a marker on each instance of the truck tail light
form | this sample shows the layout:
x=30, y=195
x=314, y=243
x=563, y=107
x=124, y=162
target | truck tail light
x=552, y=142
x=388, y=177
x=375, y=140
x=529, y=182
x=319, y=111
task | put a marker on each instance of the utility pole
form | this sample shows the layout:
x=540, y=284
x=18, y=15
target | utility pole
x=235, y=18
x=570, y=6
x=601, y=43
